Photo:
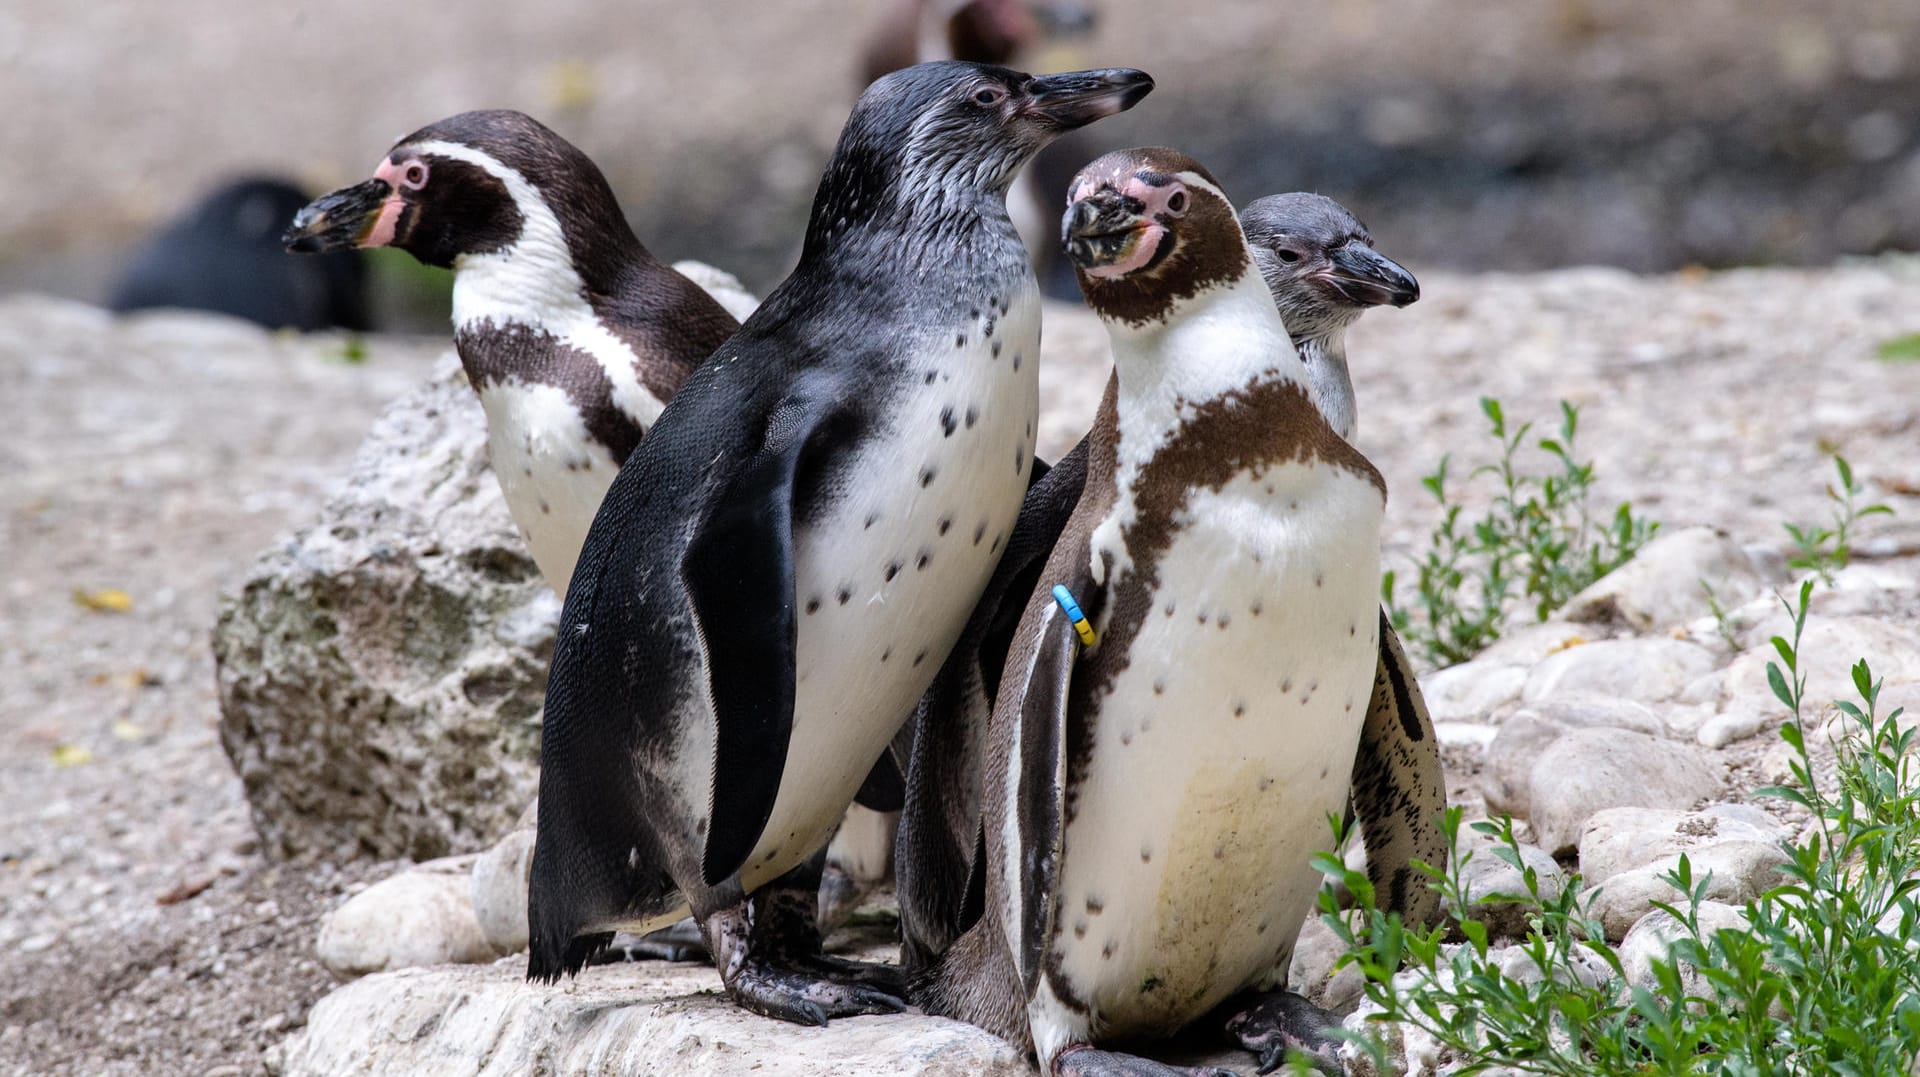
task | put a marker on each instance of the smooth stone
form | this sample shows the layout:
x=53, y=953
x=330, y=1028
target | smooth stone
x=1530, y=645
x=1728, y=726
x=1472, y=690
x=1486, y=873
x=1620, y=839
x=499, y=889
x=1589, y=770
x=1661, y=586
x=1652, y=937
x=1465, y=735
x=1312, y=974
x=1643, y=670
x=1734, y=872
x=1828, y=650
x=611, y=1021
x=422, y=916
x=1506, y=779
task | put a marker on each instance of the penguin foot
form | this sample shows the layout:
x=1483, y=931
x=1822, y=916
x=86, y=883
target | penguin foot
x=809, y=991
x=1269, y=1023
x=840, y=894
x=772, y=962
x=1086, y=1060
x=681, y=942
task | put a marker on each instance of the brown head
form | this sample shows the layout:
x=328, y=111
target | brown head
x=467, y=185
x=1149, y=228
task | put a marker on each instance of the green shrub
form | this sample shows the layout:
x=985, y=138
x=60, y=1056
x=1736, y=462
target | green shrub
x=1825, y=979
x=1537, y=546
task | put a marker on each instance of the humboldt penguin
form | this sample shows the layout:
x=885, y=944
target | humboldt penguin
x=1184, y=696
x=571, y=331
x=780, y=568
x=1319, y=263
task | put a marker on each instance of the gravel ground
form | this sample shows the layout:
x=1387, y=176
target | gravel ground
x=141, y=931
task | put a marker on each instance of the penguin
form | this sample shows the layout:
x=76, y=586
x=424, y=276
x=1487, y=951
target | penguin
x=223, y=254
x=1185, y=692
x=778, y=571
x=572, y=333
x=1320, y=265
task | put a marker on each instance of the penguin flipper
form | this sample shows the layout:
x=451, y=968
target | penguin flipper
x=1399, y=791
x=739, y=578
x=1034, y=692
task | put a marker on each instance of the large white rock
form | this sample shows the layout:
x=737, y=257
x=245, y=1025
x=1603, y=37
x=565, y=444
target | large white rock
x=612, y=1021
x=1620, y=839
x=1828, y=649
x=499, y=891
x=1653, y=937
x=382, y=672
x=1589, y=770
x=1507, y=779
x=1471, y=691
x=1642, y=670
x=1733, y=872
x=1661, y=586
x=1487, y=873
x=422, y=916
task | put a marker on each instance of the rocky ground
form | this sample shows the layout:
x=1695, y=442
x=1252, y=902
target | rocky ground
x=142, y=930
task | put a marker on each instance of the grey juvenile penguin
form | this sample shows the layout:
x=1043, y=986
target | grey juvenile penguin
x=776, y=573
x=1151, y=798
x=1320, y=266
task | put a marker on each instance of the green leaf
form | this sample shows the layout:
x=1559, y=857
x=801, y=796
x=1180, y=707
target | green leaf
x=1900, y=349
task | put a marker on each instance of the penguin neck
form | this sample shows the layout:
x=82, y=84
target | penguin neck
x=1325, y=356
x=1225, y=340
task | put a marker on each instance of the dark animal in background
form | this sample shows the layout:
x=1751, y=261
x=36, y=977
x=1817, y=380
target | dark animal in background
x=223, y=254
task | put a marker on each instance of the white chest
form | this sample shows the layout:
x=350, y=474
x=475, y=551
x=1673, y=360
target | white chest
x=886, y=580
x=550, y=470
x=1221, y=750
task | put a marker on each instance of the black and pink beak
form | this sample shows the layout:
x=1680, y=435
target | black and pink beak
x=375, y=213
x=340, y=220
x=1364, y=277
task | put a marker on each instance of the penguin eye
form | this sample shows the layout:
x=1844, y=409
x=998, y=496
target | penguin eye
x=1288, y=254
x=989, y=96
x=414, y=176
x=1177, y=203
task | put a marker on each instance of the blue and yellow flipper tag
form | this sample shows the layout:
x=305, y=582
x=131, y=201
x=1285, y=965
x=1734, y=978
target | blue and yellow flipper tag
x=1079, y=619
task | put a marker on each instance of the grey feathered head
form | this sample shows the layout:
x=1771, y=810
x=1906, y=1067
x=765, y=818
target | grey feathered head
x=1319, y=262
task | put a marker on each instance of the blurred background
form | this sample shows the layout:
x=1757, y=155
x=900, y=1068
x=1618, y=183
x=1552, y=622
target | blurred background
x=1503, y=134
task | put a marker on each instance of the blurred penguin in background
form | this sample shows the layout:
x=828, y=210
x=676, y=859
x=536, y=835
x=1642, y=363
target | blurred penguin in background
x=224, y=254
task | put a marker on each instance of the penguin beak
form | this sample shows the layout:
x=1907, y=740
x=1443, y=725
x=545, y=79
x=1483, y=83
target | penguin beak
x=1359, y=275
x=341, y=220
x=1105, y=235
x=1077, y=98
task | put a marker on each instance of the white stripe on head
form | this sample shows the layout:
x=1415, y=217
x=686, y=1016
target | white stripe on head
x=533, y=282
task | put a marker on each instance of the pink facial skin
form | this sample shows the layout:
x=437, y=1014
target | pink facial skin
x=406, y=175
x=1170, y=200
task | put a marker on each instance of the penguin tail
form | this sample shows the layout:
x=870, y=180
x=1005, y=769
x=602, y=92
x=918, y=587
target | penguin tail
x=553, y=955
